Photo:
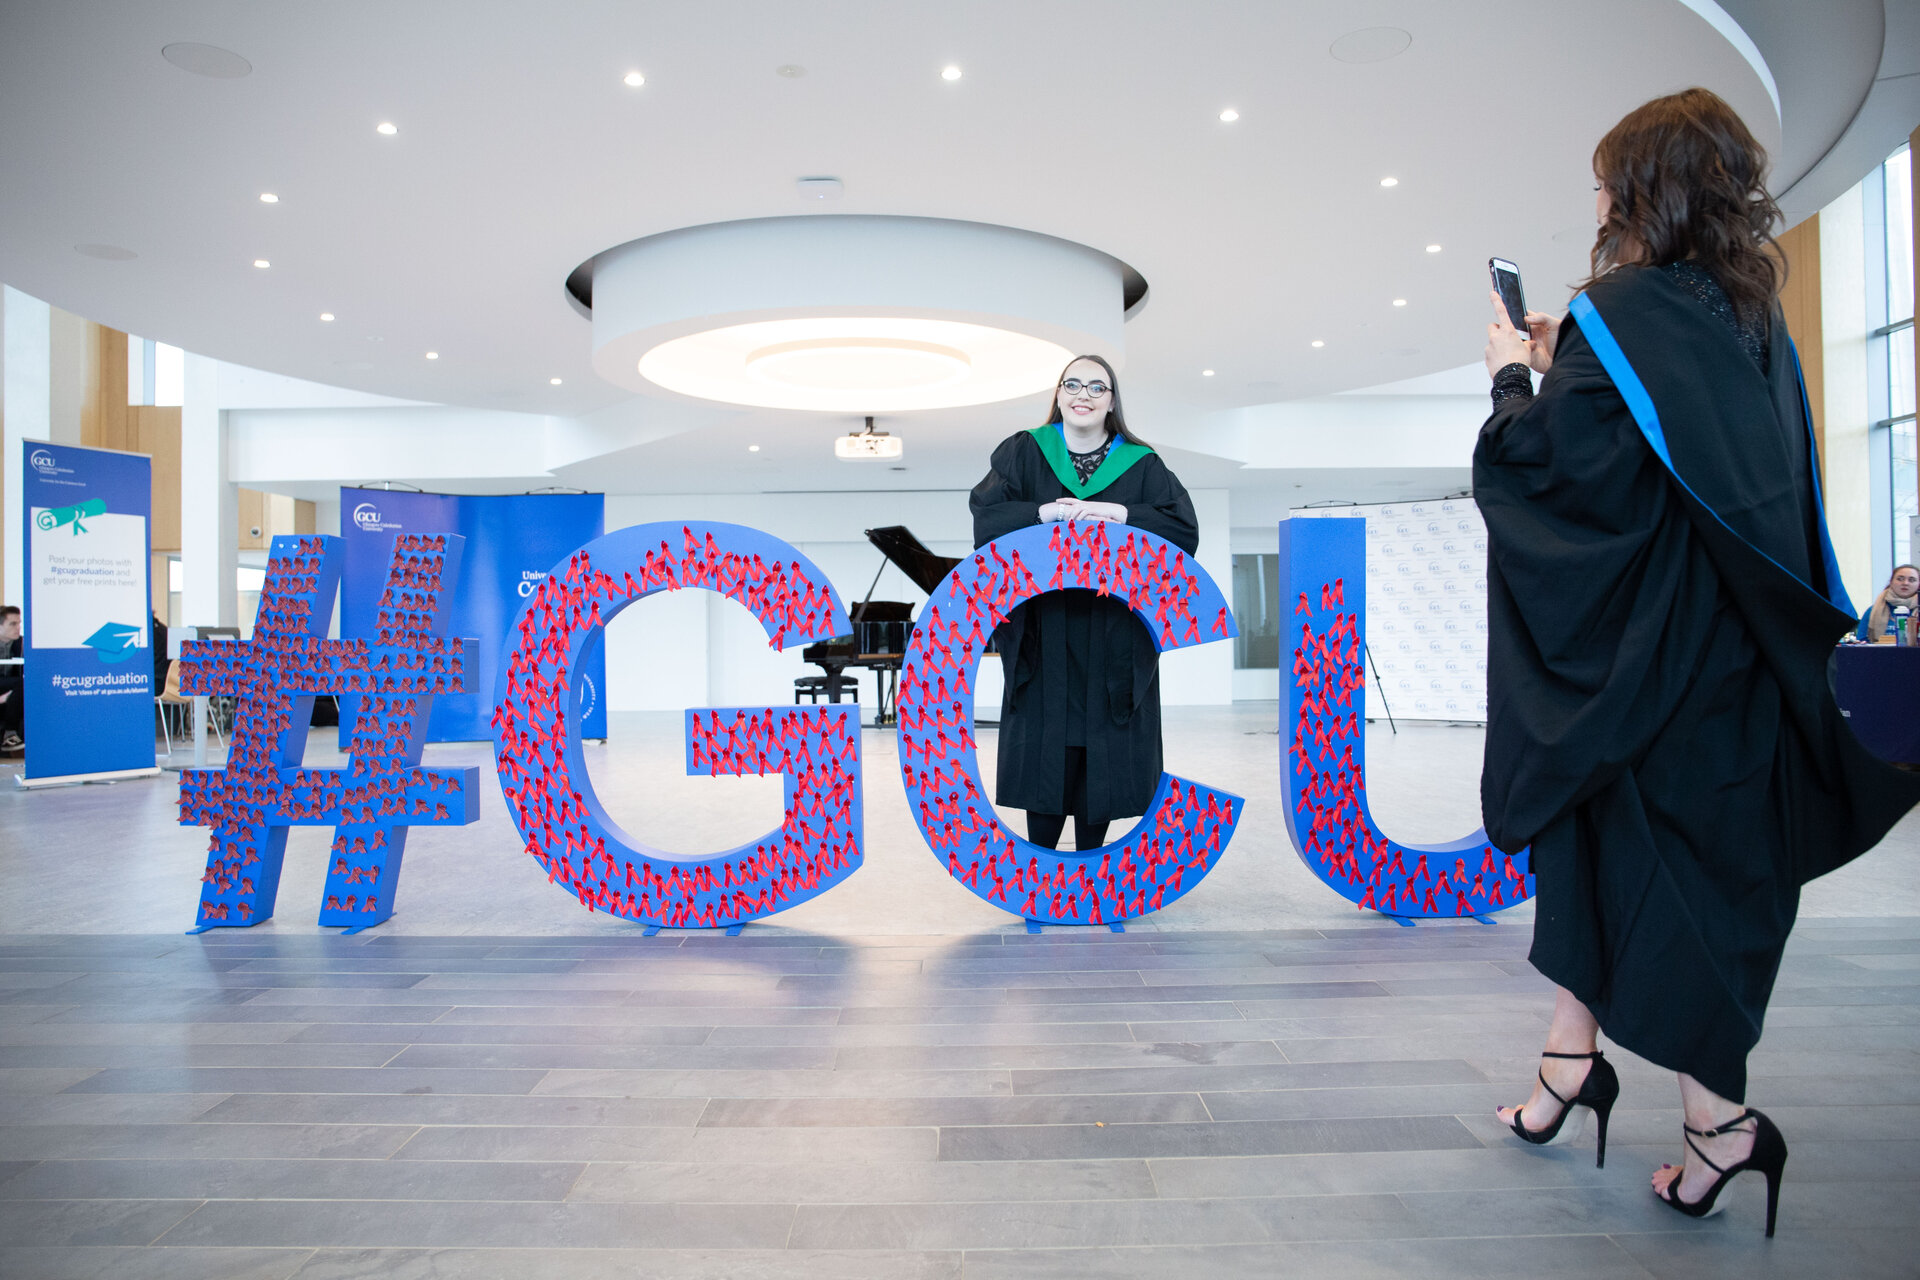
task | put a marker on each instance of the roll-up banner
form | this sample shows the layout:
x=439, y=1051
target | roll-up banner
x=88, y=638
x=512, y=542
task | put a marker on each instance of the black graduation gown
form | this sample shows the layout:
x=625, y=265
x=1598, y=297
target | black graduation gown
x=1081, y=670
x=1660, y=725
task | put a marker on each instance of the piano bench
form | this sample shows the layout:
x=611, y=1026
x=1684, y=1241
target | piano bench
x=814, y=686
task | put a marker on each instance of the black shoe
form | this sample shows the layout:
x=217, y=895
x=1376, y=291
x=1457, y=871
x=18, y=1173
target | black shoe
x=1598, y=1093
x=1769, y=1157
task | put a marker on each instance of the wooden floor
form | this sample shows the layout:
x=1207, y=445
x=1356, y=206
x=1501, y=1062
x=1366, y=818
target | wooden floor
x=1078, y=1103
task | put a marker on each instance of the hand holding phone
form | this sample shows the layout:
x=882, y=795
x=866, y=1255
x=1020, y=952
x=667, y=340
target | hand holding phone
x=1542, y=331
x=1506, y=283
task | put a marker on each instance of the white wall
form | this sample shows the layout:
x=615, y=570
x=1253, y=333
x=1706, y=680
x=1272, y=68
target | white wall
x=26, y=408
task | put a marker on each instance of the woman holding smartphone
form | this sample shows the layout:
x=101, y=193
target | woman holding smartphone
x=1662, y=604
x=1080, y=718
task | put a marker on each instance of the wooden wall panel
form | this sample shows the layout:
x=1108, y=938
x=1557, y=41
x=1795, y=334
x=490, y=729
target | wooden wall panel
x=303, y=517
x=1800, y=302
x=156, y=433
x=103, y=401
x=253, y=520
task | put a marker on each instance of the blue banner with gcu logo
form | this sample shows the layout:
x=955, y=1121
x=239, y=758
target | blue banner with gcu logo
x=512, y=541
x=88, y=638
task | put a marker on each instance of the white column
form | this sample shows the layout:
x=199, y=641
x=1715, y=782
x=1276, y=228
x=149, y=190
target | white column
x=1843, y=322
x=209, y=503
x=66, y=375
x=26, y=408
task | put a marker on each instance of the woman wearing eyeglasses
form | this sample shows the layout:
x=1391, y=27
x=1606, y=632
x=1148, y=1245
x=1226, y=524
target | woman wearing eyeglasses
x=1080, y=718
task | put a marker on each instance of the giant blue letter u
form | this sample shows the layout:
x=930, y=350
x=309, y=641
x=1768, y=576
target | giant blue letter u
x=1323, y=733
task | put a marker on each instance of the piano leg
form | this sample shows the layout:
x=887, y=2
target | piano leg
x=887, y=685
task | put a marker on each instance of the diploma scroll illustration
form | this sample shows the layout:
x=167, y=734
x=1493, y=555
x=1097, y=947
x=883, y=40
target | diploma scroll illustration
x=536, y=725
x=1323, y=725
x=1187, y=824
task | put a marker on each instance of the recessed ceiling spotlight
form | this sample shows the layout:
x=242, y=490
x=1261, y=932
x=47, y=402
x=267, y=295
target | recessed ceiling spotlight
x=790, y=71
x=267, y=197
x=1206, y=373
x=1433, y=248
x=386, y=128
x=261, y=263
x=1318, y=343
x=633, y=80
x=553, y=382
x=327, y=317
x=1389, y=182
x=433, y=355
x=819, y=188
x=753, y=448
x=949, y=73
x=1229, y=116
x=1399, y=302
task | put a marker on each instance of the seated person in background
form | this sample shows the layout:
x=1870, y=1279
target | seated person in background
x=12, y=700
x=160, y=660
x=1901, y=599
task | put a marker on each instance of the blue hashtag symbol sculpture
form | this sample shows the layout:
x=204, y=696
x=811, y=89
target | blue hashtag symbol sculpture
x=263, y=790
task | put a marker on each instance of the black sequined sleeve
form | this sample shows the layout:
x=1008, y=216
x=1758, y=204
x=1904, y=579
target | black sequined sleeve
x=1514, y=381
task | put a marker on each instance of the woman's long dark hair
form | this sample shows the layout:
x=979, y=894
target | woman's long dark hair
x=1686, y=180
x=1116, y=420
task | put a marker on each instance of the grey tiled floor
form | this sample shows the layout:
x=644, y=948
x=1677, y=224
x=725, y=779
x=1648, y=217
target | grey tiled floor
x=1217, y=1103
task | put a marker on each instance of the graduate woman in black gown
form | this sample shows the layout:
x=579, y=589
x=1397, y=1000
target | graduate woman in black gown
x=1080, y=719
x=1662, y=606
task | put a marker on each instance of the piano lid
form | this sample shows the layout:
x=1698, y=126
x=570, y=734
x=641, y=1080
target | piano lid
x=911, y=556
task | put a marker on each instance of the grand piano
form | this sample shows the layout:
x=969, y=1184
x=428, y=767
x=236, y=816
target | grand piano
x=880, y=627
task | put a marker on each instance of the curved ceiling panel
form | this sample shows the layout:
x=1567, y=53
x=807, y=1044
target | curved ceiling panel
x=518, y=150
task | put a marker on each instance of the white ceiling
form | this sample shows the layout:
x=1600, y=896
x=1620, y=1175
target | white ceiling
x=520, y=154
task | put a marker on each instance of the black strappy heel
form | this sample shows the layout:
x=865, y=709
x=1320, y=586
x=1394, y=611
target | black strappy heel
x=1598, y=1092
x=1769, y=1157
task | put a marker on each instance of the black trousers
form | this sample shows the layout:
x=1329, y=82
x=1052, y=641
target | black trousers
x=1044, y=828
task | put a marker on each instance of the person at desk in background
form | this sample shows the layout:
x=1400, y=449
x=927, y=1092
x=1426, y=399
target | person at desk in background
x=1080, y=718
x=1895, y=611
x=12, y=700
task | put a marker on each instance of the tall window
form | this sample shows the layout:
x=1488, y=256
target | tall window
x=1256, y=611
x=1890, y=352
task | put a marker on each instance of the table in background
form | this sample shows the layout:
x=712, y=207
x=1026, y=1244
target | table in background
x=1878, y=686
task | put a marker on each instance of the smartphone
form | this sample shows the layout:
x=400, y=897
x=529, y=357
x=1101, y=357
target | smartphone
x=1506, y=283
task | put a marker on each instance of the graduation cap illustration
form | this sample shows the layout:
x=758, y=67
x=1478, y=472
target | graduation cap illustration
x=54, y=517
x=116, y=641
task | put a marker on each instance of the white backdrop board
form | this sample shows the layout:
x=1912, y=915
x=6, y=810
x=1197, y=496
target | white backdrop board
x=1426, y=605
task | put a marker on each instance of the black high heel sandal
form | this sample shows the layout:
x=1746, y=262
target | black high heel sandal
x=1598, y=1092
x=1769, y=1157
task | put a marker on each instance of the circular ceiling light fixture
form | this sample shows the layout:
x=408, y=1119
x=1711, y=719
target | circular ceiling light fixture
x=326, y=317
x=633, y=79
x=1370, y=44
x=267, y=197
x=842, y=364
x=207, y=60
x=1229, y=116
x=1389, y=182
x=950, y=74
x=851, y=314
x=386, y=128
